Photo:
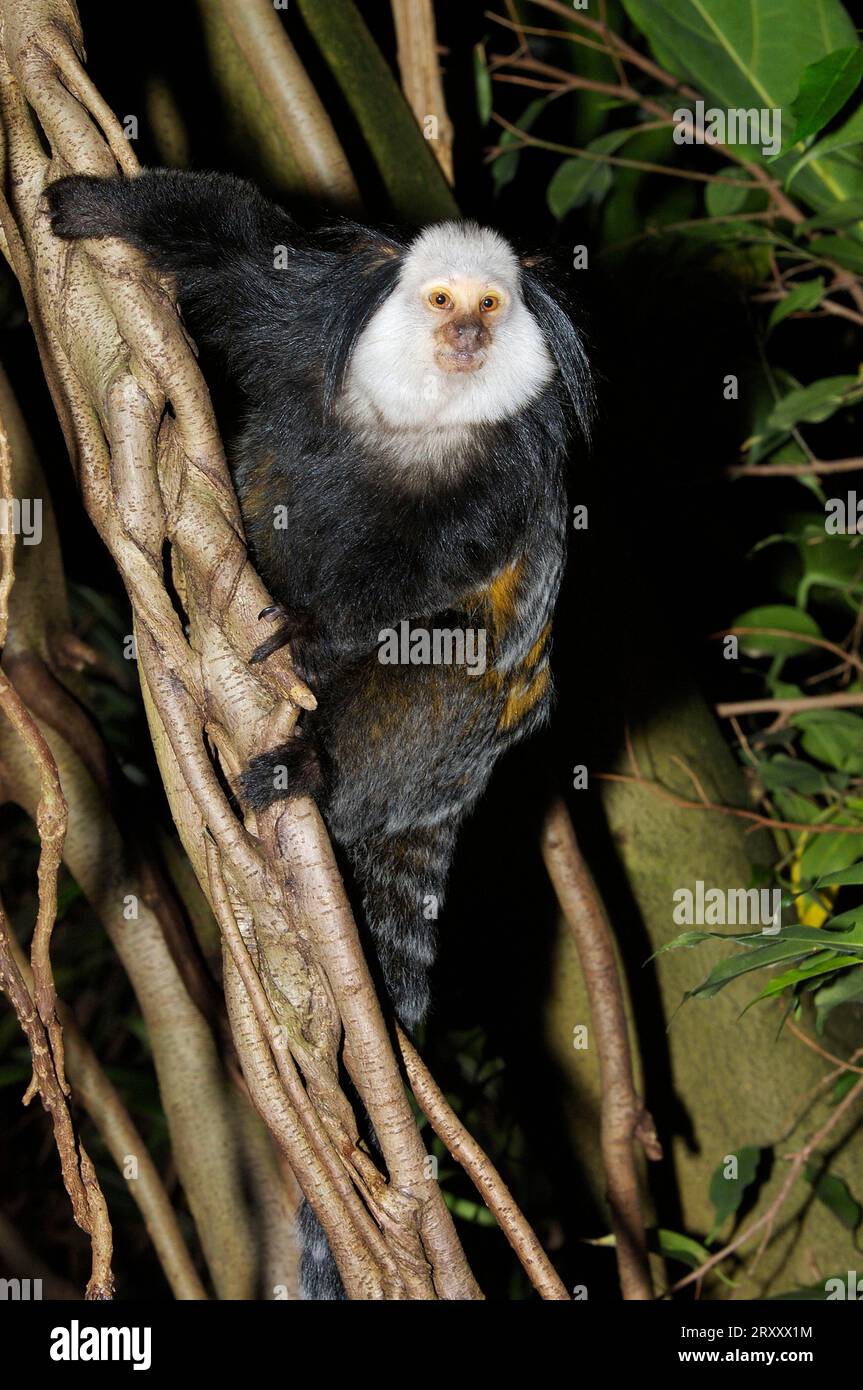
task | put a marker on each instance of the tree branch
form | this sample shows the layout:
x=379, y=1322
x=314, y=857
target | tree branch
x=485, y=1177
x=625, y=1120
x=420, y=73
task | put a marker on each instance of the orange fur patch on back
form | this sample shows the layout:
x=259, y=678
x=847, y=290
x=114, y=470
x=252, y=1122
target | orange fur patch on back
x=521, y=699
x=537, y=649
x=498, y=599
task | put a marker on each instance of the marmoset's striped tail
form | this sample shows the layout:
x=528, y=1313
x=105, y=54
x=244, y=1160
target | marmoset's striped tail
x=403, y=880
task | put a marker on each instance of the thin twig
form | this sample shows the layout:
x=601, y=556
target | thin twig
x=797, y=704
x=796, y=470
x=768, y=822
x=822, y=1051
x=482, y=1173
x=814, y=1091
x=525, y=139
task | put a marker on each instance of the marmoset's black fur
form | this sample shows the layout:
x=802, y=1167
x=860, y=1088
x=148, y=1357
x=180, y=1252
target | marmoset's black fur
x=356, y=526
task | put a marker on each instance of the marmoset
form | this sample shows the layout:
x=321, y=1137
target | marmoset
x=406, y=408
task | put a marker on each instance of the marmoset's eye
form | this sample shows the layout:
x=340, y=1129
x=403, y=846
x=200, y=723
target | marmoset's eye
x=489, y=303
x=439, y=299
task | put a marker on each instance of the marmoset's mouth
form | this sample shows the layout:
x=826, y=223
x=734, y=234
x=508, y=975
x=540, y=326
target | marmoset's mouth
x=459, y=359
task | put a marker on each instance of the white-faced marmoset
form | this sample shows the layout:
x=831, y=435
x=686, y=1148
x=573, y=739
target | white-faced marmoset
x=400, y=452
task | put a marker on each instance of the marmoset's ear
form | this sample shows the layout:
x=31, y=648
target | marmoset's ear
x=548, y=305
x=364, y=281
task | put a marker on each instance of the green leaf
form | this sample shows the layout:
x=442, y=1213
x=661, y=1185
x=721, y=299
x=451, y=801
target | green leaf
x=721, y=200
x=831, y=562
x=824, y=855
x=832, y=153
x=482, y=79
x=726, y=1193
x=834, y=737
x=743, y=962
x=843, y=933
x=749, y=54
x=823, y=963
x=805, y=295
x=816, y=402
x=839, y=216
x=505, y=166
x=841, y=249
x=775, y=615
x=675, y=1246
x=580, y=180
x=686, y=939
x=842, y=1086
x=796, y=774
x=825, y=86
x=683, y=1248
x=846, y=989
x=842, y=877
x=834, y=1193
x=850, y=923
x=797, y=808
x=764, y=441
x=575, y=182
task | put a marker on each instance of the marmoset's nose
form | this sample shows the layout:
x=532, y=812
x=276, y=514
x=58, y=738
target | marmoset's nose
x=467, y=333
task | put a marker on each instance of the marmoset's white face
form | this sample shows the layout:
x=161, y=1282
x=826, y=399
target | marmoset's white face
x=454, y=344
